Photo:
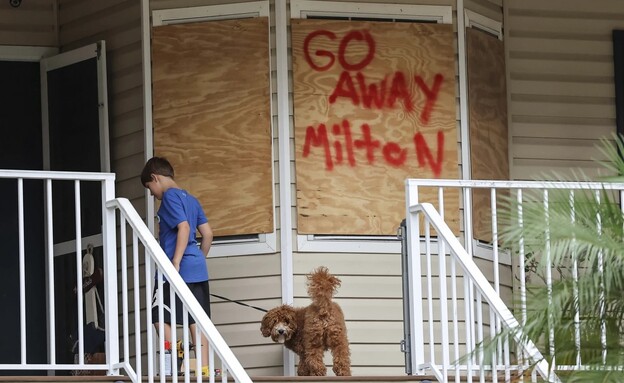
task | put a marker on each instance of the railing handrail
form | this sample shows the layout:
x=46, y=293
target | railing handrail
x=169, y=272
x=482, y=284
x=483, y=184
x=56, y=175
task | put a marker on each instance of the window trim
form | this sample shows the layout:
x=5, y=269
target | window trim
x=266, y=243
x=210, y=12
x=300, y=9
x=483, y=23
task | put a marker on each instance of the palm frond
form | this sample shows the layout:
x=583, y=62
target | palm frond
x=580, y=236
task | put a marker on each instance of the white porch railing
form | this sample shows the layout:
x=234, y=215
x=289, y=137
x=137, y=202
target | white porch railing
x=155, y=259
x=458, y=307
x=135, y=351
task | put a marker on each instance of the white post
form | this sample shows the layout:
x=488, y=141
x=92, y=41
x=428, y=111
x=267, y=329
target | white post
x=283, y=118
x=417, y=349
x=109, y=243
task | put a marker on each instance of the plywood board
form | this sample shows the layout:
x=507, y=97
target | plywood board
x=374, y=104
x=212, y=118
x=489, y=140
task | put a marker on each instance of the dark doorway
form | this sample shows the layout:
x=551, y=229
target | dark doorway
x=74, y=136
x=71, y=140
x=21, y=148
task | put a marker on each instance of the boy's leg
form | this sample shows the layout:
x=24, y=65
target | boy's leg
x=166, y=331
x=201, y=291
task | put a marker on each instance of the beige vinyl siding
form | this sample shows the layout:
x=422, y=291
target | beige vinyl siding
x=562, y=98
x=118, y=22
x=33, y=23
x=254, y=280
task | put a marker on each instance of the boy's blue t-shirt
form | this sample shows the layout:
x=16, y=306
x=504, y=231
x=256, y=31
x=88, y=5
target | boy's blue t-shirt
x=177, y=206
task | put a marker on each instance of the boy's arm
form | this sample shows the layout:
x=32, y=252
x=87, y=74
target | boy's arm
x=206, y=237
x=184, y=230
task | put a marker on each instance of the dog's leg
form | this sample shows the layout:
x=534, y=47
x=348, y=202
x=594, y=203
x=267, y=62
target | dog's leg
x=341, y=359
x=339, y=346
x=303, y=369
x=313, y=354
x=314, y=360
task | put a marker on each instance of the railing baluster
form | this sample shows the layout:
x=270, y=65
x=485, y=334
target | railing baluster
x=480, y=353
x=185, y=340
x=551, y=329
x=22, y=268
x=507, y=358
x=603, y=308
x=575, y=288
x=211, y=364
x=174, y=333
x=443, y=294
x=124, y=288
x=137, y=303
x=79, y=291
x=149, y=277
x=198, y=355
x=521, y=266
x=429, y=291
x=495, y=322
x=455, y=318
x=50, y=274
x=161, y=328
x=470, y=298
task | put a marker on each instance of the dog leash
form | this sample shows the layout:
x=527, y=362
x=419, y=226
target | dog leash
x=239, y=303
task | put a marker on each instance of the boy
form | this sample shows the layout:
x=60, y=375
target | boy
x=180, y=215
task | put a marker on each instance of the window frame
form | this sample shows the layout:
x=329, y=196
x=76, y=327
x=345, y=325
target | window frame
x=263, y=243
x=315, y=8
x=483, y=23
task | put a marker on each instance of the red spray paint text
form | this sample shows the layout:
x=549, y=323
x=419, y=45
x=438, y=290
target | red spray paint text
x=391, y=152
x=370, y=95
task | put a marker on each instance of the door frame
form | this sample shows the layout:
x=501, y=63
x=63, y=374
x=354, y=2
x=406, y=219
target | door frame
x=96, y=50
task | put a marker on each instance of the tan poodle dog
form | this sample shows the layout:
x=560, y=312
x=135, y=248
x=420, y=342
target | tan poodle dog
x=310, y=331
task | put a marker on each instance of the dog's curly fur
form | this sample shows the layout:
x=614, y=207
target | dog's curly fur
x=310, y=331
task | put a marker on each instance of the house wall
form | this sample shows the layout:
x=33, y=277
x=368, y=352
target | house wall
x=561, y=99
x=560, y=75
x=118, y=22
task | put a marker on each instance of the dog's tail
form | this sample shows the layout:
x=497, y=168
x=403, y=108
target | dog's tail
x=321, y=287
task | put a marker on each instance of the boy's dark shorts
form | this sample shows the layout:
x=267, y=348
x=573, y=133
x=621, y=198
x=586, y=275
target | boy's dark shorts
x=200, y=290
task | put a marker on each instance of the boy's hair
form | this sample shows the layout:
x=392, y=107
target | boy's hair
x=156, y=165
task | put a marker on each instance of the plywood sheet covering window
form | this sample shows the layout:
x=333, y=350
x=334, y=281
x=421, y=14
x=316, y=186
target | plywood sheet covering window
x=487, y=97
x=374, y=104
x=212, y=118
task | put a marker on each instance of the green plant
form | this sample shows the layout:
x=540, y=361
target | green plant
x=581, y=236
